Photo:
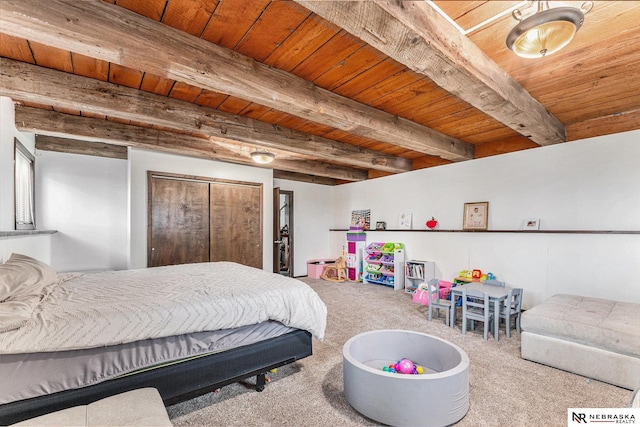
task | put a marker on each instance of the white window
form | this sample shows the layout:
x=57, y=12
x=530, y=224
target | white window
x=25, y=188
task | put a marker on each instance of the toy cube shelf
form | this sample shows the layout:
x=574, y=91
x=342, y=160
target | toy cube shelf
x=384, y=264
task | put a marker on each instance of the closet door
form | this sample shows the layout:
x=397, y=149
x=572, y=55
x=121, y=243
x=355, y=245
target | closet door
x=178, y=226
x=236, y=223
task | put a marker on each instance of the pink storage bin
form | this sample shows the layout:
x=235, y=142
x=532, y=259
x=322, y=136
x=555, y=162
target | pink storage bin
x=316, y=267
x=445, y=289
x=421, y=296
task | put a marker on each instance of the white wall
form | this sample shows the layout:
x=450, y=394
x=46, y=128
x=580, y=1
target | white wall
x=591, y=184
x=38, y=246
x=84, y=198
x=8, y=132
x=141, y=161
x=312, y=218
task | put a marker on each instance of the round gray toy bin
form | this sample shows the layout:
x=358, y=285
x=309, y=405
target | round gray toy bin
x=438, y=397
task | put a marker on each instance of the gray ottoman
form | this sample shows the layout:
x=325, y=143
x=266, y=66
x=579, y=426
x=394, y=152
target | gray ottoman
x=593, y=337
x=141, y=407
x=439, y=397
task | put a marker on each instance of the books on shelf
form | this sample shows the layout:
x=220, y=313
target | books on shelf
x=418, y=272
x=415, y=270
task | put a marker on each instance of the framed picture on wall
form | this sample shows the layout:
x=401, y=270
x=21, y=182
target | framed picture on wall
x=361, y=218
x=405, y=220
x=381, y=225
x=476, y=216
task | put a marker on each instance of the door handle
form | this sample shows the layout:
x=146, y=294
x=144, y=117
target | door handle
x=277, y=241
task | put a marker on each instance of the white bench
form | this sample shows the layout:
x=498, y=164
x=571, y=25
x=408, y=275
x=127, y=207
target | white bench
x=141, y=407
x=593, y=337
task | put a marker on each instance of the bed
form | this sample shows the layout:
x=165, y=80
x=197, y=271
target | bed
x=71, y=339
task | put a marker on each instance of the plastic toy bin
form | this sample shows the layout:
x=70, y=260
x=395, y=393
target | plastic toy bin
x=315, y=267
x=438, y=397
x=356, y=237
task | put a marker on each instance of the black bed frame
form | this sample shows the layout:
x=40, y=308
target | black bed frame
x=177, y=382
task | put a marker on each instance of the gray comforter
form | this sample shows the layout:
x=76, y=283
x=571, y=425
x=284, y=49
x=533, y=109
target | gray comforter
x=108, y=308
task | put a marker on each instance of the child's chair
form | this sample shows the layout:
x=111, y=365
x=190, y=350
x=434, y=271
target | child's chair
x=437, y=299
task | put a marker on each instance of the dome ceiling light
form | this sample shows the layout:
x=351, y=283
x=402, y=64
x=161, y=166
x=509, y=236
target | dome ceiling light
x=262, y=156
x=547, y=31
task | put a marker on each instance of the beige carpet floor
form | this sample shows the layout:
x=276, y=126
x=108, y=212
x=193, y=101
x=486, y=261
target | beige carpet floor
x=504, y=389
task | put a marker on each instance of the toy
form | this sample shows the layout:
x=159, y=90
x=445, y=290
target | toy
x=404, y=366
x=337, y=272
x=431, y=224
x=374, y=247
x=491, y=276
x=363, y=224
x=374, y=257
x=387, y=258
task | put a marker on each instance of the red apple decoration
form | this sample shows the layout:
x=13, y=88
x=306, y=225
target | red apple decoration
x=431, y=224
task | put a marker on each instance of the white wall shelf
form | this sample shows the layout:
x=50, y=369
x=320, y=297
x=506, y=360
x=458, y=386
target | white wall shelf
x=13, y=233
x=507, y=231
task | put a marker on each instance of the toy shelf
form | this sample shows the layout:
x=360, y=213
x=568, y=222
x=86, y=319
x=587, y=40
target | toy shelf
x=384, y=264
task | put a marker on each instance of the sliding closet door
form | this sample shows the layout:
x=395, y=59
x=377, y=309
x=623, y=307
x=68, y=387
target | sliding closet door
x=236, y=223
x=178, y=229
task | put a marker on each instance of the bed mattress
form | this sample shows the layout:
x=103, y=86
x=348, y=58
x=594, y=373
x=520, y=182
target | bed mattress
x=30, y=375
x=112, y=308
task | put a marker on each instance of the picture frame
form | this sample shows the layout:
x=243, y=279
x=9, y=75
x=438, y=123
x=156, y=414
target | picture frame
x=361, y=218
x=531, y=224
x=476, y=216
x=381, y=225
x=405, y=220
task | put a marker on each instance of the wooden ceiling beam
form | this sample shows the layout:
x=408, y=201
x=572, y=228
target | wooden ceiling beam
x=143, y=44
x=613, y=123
x=77, y=146
x=21, y=81
x=414, y=34
x=301, y=177
x=46, y=122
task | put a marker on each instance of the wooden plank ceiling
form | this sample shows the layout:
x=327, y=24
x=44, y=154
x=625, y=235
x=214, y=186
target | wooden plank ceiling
x=340, y=91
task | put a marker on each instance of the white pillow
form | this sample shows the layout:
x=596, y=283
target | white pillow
x=21, y=276
x=22, y=286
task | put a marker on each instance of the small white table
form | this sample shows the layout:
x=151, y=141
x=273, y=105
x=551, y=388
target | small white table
x=497, y=294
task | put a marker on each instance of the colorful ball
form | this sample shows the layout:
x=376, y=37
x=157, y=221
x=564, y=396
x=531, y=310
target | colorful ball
x=405, y=366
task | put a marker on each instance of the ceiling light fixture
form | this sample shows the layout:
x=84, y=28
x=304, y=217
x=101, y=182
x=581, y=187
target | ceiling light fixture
x=547, y=31
x=262, y=156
